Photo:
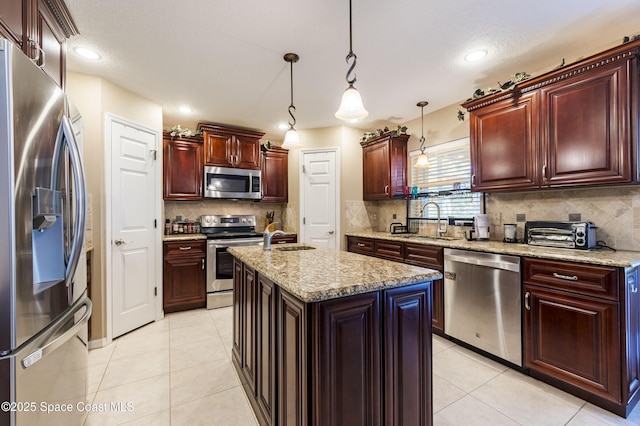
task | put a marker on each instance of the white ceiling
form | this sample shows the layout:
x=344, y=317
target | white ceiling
x=224, y=58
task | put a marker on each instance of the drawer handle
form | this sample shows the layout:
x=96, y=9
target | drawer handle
x=361, y=244
x=203, y=264
x=185, y=248
x=282, y=242
x=527, y=306
x=565, y=277
x=386, y=189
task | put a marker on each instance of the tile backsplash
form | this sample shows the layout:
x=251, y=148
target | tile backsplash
x=614, y=210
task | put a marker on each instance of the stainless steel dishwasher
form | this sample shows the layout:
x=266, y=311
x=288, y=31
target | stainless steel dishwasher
x=482, y=302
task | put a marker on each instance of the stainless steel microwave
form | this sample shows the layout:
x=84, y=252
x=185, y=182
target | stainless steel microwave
x=232, y=183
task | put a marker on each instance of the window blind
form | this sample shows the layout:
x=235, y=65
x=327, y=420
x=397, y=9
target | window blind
x=448, y=173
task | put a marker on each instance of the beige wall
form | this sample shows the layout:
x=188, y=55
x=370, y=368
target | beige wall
x=95, y=97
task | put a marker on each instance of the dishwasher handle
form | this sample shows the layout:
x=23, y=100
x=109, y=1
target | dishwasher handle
x=496, y=262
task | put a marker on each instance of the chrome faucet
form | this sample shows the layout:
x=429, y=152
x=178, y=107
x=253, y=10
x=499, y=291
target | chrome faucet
x=439, y=230
x=268, y=235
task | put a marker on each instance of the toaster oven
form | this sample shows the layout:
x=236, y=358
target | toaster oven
x=576, y=235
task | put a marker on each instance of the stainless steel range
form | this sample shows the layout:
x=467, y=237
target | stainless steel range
x=224, y=231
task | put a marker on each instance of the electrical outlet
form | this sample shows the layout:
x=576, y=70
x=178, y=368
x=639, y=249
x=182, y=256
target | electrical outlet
x=394, y=216
x=575, y=217
x=521, y=217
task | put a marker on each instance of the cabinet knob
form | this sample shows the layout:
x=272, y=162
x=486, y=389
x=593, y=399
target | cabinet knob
x=473, y=180
x=544, y=172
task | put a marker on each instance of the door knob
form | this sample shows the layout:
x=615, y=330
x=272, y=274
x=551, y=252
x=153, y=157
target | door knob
x=120, y=242
x=331, y=232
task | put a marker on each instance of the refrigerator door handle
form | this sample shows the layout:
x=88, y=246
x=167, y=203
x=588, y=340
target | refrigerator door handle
x=41, y=352
x=66, y=137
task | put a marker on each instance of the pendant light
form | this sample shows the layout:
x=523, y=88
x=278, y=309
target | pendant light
x=423, y=159
x=351, y=108
x=291, y=138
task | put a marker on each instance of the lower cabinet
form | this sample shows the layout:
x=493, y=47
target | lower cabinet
x=184, y=275
x=581, y=330
x=359, y=360
x=414, y=254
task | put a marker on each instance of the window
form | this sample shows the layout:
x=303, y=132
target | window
x=446, y=180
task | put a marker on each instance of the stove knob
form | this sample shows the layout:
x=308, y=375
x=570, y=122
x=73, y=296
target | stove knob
x=580, y=233
x=244, y=220
x=215, y=220
x=580, y=242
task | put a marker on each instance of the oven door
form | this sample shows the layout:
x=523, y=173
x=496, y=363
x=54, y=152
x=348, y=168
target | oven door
x=220, y=262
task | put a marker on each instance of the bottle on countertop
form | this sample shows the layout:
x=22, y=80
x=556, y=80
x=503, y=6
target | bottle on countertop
x=175, y=226
x=167, y=227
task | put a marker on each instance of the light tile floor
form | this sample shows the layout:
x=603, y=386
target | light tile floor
x=178, y=372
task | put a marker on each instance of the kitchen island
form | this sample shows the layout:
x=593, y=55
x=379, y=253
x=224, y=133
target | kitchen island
x=330, y=337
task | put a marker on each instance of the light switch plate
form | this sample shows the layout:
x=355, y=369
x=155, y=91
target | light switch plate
x=575, y=217
x=521, y=217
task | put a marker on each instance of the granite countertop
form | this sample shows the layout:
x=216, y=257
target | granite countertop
x=321, y=274
x=184, y=237
x=603, y=257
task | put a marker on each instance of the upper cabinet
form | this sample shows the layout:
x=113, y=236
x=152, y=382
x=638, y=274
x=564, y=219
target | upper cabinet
x=41, y=29
x=384, y=167
x=230, y=146
x=182, y=168
x=573, y=126
x=275, y=174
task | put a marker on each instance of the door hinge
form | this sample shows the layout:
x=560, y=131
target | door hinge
x=154, y=153
x=304, y=220
x=155, y=223
x=304, y=169
x=155, y=291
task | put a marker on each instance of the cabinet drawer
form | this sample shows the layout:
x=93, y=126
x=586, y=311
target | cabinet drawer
x=360, y=245
x=598, y=281
x=185, y=248
x=283, y=239
x=425, y=256
x=389, y=249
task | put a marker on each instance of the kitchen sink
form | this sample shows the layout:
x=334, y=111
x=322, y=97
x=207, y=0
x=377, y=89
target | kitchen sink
x=296, y=248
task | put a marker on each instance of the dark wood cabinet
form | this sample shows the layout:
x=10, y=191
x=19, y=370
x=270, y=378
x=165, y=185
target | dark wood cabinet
x=184, y=275
x=504, y=148
x=347, y=367
x=182, y=168
x=274, y=165
x=40, y=28
x=326, y=362
x=384, y=167
x=433, y=258
x=284, y=239
x=230, y=146
x=407, y=356
x=576, y=125
x=11, y=20
x=266, y=348
x=414, y=254
x=581, y=330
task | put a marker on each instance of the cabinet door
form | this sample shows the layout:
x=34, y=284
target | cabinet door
x=504, y=147
x=275, y=176
x=398, y=166
x=11, y=20
x=238, y=311
x=376, y=179
x=587, y=136
x=266, y=344
x=218, y=149
x=184, y=283
x=346, y=368
x=433, y=258
x=392, y=250
x=248, y=359
x=292, y=360
x=573, y=339
x=632, y=335
x=246, y=152
x=182, y=161
x=53, y=42
x=407, y=356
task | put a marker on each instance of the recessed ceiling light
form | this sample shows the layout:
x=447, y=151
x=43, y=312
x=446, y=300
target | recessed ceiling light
x=185, y=109
x=85, y=52
x=283, y=126
x=475, y=55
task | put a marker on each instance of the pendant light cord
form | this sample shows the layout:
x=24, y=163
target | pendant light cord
x=292, y=108
x=351, y=81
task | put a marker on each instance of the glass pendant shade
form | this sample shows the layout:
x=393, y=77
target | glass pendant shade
x=291, y=139
x=422, y=160
x=351, y=107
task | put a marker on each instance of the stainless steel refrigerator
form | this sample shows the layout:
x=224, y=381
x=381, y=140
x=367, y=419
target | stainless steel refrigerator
x=43, y=309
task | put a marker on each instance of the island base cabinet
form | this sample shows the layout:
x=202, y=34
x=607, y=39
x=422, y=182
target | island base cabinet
x=407, y=360
x=347, y=361
x=573, y=340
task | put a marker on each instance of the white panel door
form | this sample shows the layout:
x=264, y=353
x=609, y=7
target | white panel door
x=133, y=252
x=319, y=199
